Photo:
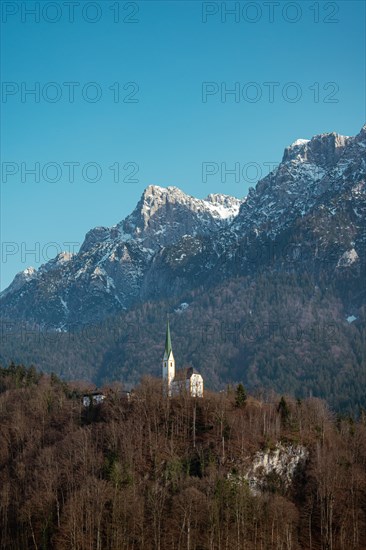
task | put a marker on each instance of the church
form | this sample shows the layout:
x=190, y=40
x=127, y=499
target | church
x=186, y=380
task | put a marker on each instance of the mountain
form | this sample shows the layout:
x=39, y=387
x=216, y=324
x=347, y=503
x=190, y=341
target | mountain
x=107, y=274
x=268, y=290
x=309, y=212
x=307, y=215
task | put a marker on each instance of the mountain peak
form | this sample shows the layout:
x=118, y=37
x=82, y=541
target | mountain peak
x=157, y=190
x=161, y=206
x=361, y=136
x=299, y=141
x=20, y=280
x=323, y=149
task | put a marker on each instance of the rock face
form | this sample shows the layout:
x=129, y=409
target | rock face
x=273, y=469
x=306, y=172
x=277, y=465
x=323, y=150
x=308, y=213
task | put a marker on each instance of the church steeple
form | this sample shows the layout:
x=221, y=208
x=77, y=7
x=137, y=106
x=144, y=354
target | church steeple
x=168, y=366
x=168, y=342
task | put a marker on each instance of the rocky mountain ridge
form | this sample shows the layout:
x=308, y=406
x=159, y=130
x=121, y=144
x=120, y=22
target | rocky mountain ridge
x=106, y=275
x=309, y=211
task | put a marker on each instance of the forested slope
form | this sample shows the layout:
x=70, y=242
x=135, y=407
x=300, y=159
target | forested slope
x=284, y=333
x=150, y=473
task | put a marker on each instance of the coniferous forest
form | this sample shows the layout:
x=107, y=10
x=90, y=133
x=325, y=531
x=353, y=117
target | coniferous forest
x=144, y=472
x=282, y=333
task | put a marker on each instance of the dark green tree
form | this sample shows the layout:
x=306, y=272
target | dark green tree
x=284, y=410
x=240, y=396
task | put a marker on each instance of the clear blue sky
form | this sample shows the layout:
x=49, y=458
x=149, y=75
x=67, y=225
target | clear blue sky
x=169, y=132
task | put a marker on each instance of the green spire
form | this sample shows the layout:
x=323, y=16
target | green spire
x=168, y=342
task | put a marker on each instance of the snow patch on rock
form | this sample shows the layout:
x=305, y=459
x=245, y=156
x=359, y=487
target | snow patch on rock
x=299, y=141
x=348, y=258
x=182, y=307
x=351, y=318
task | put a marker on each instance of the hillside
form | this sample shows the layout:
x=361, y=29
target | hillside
x=282, y=333
x=225, y=471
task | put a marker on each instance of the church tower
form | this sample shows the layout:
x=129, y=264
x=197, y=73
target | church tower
x=168, y=362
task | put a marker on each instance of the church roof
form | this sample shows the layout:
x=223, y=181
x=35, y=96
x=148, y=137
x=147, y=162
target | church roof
x=185, y=373
x=168, y=342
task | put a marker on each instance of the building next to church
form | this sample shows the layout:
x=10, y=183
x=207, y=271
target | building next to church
x=95, y=398
x=186, y=380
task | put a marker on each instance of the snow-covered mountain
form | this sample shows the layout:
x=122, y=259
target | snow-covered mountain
x=305, y=215
x=319, y=183
x=293, y=188
x=107, y=274
x=310, y=211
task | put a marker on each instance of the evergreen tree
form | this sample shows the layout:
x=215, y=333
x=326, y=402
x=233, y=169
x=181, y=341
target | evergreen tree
x=284, y=410
x=240, y=396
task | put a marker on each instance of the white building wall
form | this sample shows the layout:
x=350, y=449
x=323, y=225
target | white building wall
x=168, y=371
x=196, y=385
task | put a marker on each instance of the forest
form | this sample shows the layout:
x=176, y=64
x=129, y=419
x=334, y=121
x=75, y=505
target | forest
x=282, y=333
x=146, y=472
